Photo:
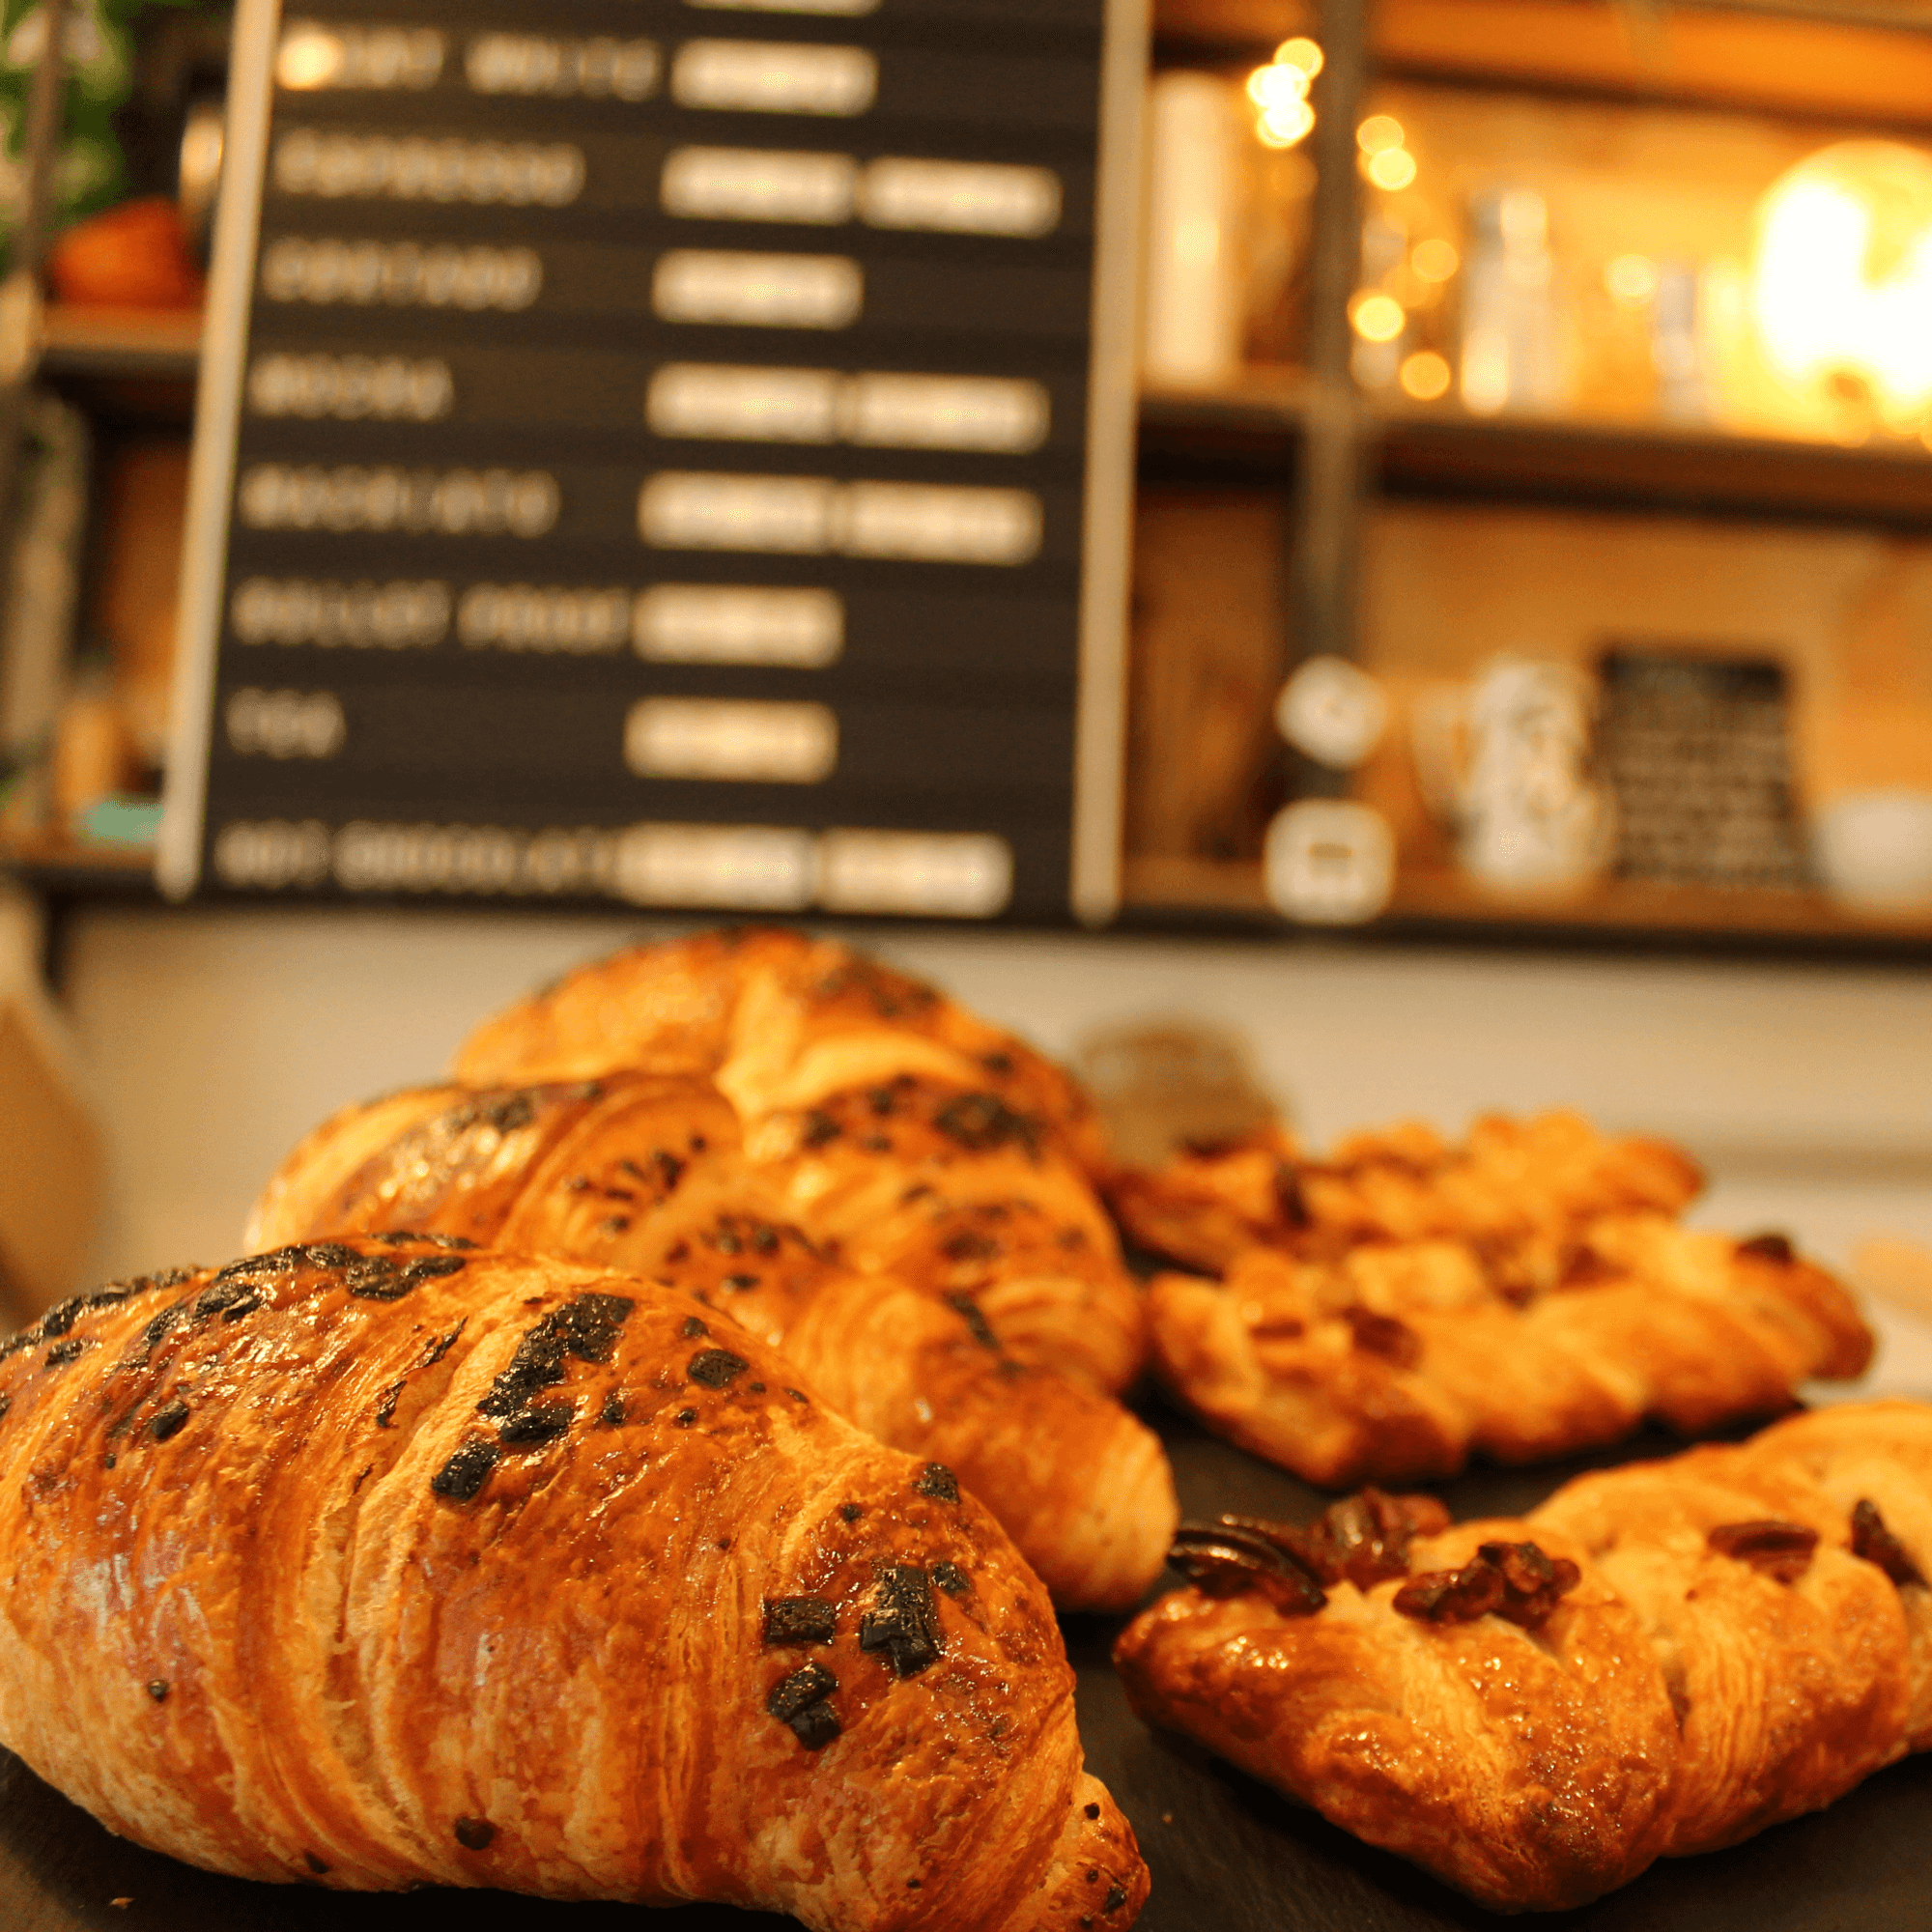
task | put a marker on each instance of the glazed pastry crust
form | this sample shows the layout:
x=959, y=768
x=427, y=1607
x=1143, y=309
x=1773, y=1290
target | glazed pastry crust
x=1680, y=1697
x=1515, y=1188
x=1397, y=1361
x=647, y=1174
x=378, y=1563
x=909, y=1135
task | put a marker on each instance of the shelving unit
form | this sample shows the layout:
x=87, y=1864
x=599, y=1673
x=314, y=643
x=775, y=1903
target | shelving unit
x=1332, y=454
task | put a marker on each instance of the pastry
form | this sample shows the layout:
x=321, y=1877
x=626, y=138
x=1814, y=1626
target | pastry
x=646, y=1174
x=1660, y=1660
x=1396, y=1360
x=907, y=1134
x=376, y=1563
x=1516, y=1189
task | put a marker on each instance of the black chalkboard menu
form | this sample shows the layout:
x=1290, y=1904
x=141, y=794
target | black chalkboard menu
x=665, y=451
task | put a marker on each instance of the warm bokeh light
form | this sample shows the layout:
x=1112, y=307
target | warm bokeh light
x=308, y=58
x=1632, y=279
x=1378, y=318
x=1841, y=286
x=1435, y=260
x=1425, y=376
x=1378, y=133
x=1299, y=52
x=1393, y=168
x=1284, y=126
x=1280, y=94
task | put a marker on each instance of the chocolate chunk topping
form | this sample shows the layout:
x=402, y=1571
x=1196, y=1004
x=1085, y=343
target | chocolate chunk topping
x=820, y=1128
x=939, y=1483
x=1876, y=1544
x=223, y=1297
x=612, y=1414
x=1775, y=1549
x=321, y=1255
x=800, y=1620
x=170, y=1420
x=315, y=1864
x=741, y=1284
x=1228, y=1559
x=1384, y=1335
x=1093, y=1810
x=974, y=1316
x=1514, y=1581
x=716, y=1368
x=694, y=1327
x=157, y=1689
x=949, y=1578
x=1772, y=1247
x=584, y=1327
x=542, y=1422
x=474, y=1835
x=799, y=1700
x=69, y=1350
x=685, y=1417
x=467, y=1472
x=1116, y=1898
x=906, y=1624
x=851, y=1511
x=383, y=1278
x=983, y=1121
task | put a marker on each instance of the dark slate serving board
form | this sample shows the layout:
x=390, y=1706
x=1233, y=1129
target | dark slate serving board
x=1227, y=1854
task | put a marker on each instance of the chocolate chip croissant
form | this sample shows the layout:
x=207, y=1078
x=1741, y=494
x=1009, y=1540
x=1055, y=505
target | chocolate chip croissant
x=647, y=1174
x=907, y=1133
x=1661, y=1660
x=376, y=1563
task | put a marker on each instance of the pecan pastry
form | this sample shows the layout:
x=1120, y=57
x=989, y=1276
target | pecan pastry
x=1660, y=1660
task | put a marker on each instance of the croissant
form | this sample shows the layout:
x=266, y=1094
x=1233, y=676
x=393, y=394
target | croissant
x=1516, y=1189
x=647, y=1174
x=906, y=1133
x=1397, y=1361
x=1661, y=1660
x=378, y=1563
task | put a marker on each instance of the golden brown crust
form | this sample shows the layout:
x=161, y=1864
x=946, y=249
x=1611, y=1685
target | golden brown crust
x=1747, y=1638
x=909, y=1136
x=376, y=1563
x=780, y=1020
x=1519, y=1188
x=1393, y=1361
x=647, y=1174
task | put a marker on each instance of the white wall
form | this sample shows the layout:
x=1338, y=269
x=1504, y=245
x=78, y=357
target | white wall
x=216, y=1039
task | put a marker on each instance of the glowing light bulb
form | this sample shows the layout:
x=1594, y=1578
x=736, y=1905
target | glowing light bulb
x=1393, y=168
x=308, y=58
x=1277, y=86
x=1426, y=376
x=1378, y=133
x=1434, y=261
x=1284, y=126
x=1378, y=318
x=1299, y=52
x=1841, y=286
x=1632, y=280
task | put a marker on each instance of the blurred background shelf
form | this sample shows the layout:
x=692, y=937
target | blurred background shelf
x=1444, y=906
x=1447, y=451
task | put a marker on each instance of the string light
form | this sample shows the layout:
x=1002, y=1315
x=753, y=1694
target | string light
x=1279, y=91
x=1632, y=280
x=1378, y=134
x=1378, y=318
x=1393, y=168
x=1426, y=376
x=1434, y=261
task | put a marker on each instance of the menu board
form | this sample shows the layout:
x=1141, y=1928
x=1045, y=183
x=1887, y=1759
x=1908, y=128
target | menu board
x=665, y=451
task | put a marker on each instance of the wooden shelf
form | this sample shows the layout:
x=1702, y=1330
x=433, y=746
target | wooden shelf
x=1446, y=904
x=121, y=342
x=1447, y=452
